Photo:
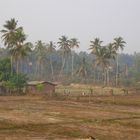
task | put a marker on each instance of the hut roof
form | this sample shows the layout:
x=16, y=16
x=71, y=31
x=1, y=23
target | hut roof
x=34, y=83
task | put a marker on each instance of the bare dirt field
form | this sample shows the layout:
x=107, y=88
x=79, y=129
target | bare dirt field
x=37, y=118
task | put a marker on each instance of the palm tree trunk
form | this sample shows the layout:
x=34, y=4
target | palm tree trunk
x=17, y=67
x=72, y=57
x=63, y=65
x=11, y=65
x=94, y=74
x=36, y=71
x=104, y=73
x=117, y=70
x=108, y=77
x=52, y=71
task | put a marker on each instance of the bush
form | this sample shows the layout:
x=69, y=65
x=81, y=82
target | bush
x=15, y=84
x=40, y=87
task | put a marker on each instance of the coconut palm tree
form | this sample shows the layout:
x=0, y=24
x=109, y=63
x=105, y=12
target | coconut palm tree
x=74, y=43
x=40, y=51
x=50, y=51
x=20, y=49
x=119, y=44
x=110, y=54
x=82, y=71
x=8, y=32
x=96, y=48
x=8, y=36
x=95, y=45
x=64, y=45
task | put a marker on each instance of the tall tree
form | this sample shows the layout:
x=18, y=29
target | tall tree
x=50, y=51
x=82, y=71
x=21, y=48
x=110, y=54
x=8, y=36
x=95, y=45
x=40, y=51
x=103, y=56
x=64, y=45
x=97, y=50
x=74, y=43
x=119, y=44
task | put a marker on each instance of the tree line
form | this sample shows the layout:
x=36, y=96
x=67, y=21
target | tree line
x=58, y=61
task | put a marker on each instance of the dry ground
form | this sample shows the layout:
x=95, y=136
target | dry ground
x=36, y=118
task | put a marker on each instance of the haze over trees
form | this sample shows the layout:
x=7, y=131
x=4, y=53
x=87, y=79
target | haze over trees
x=58, y=61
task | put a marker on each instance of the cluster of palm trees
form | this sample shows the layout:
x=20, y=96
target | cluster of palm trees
x=65, y=47
x=105, y=54
x=14, y=39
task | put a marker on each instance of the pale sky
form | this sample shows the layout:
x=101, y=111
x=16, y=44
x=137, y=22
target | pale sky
x=84, y=19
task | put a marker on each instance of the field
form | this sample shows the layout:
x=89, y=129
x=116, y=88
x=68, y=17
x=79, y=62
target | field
x=39, y=118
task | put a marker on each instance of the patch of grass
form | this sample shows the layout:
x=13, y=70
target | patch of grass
x=4, y=124
x=70, y=132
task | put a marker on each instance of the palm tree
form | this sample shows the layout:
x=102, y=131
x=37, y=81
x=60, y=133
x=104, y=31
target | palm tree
x=74, y=43
x=95, y=45
x=20, y=49
x=40, y=50
x=110, y=54
x=50, y=50
x=8, y=36
x=64, y=45
x=82, y=71
x=99, y=51
x=119, y=44
x=8, y=32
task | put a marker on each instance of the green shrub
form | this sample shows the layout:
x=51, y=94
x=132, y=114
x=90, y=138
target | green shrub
x=40, y=87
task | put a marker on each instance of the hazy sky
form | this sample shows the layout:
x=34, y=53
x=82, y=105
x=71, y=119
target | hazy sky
x=84, y=19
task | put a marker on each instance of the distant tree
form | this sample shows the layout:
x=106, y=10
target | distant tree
x=64, y=45
x=20, y=49
x=82, y=71
x=40, y=51
x=4, y=69
x=110, y=54
x=95, y=45
x=10, y=82
x=103, y=55
x=119, y=43
x=50, y=51
x=8, y=33
x=18, y=81
x=74, y=43
x=8, y=36
x=100, y=55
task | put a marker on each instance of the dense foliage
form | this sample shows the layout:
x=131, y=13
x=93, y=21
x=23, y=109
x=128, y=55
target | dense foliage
x=10, y=83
